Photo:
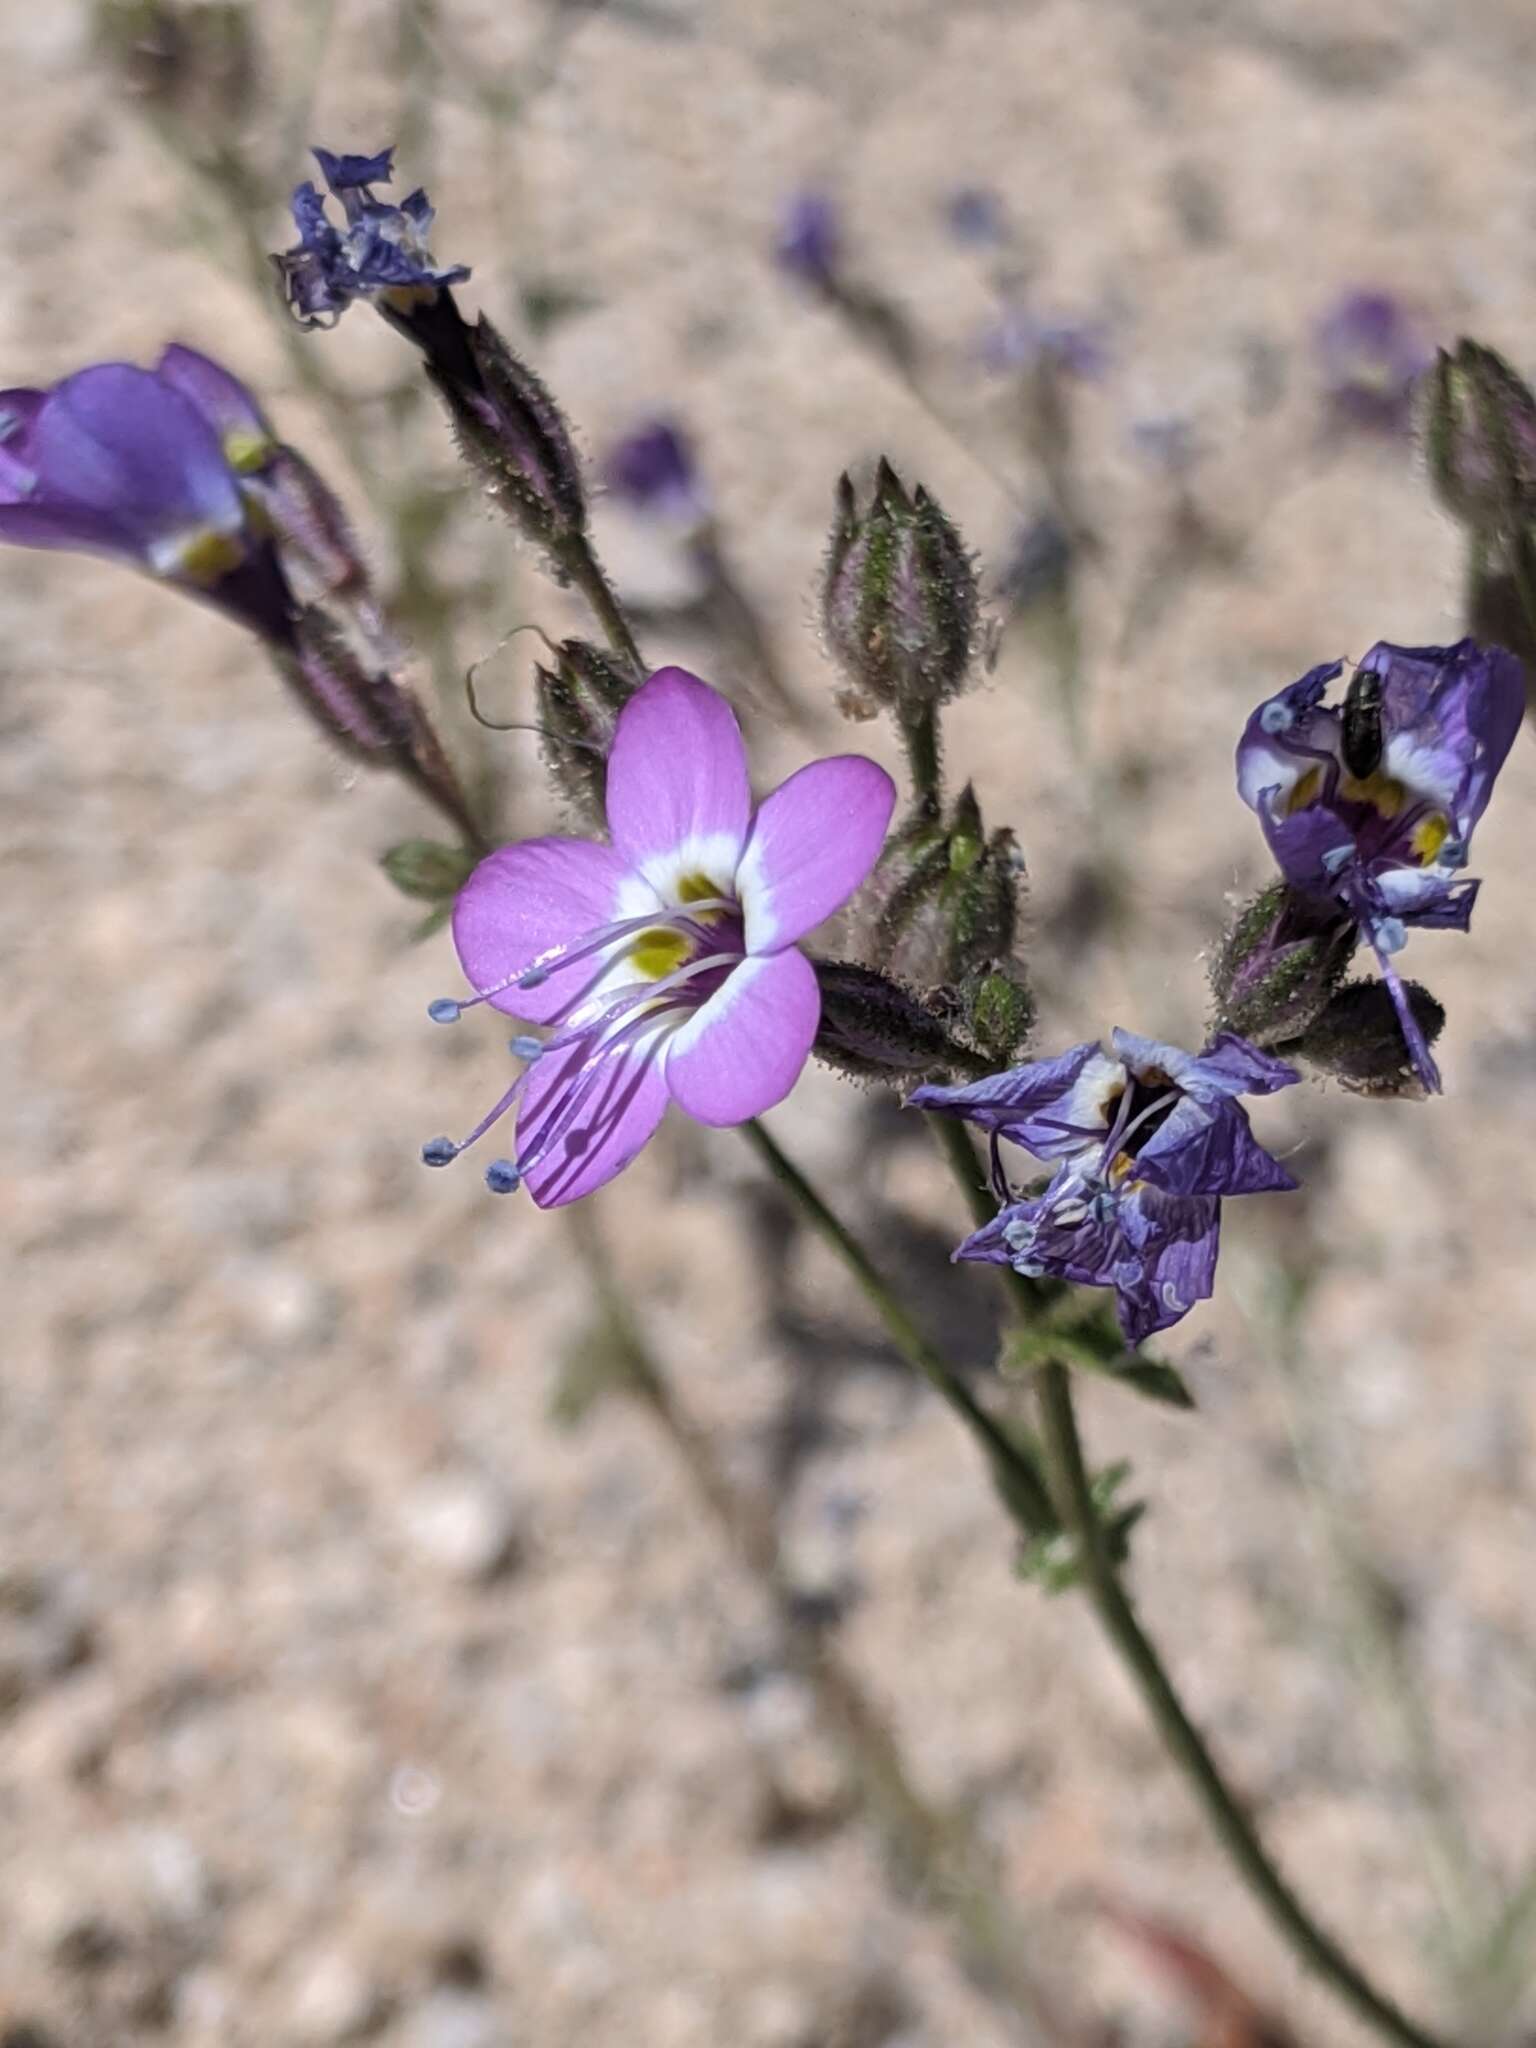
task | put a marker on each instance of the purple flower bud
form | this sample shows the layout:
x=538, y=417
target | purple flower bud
x=1372, y=353
x=873, y=1029
x=810, y=240
x=121, y=461
x=1278, y=964
x=513, y=432
x=1358, y=1038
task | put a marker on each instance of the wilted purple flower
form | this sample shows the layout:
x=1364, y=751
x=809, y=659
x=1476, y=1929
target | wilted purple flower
x=140, y=465
x=810, y=239
x=1021, y=339
x=1372, y=805
x=1372, y=353
x=653, y=468
x=974, y=215
x=381, y=253
x=1145, y=1143
x=666, y=962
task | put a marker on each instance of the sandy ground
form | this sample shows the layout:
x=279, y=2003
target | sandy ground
x=343, y=1695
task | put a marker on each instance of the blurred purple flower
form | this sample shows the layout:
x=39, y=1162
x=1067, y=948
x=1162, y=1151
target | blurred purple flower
x=974, y=215
x=1020, y=339
x=146, y=466
x=1372, y=806
x=653, y=469
x=666, y=960
x=1372, y=353
x=381, y=253
x=810, y=239
x=1145, y=1141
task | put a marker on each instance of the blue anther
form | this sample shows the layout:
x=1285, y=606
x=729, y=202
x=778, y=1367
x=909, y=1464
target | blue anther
x=534, y=978
x=439, y=1152
x=1338, y=858
x=1452, y=854
x=1390, y=934
x=445, y=1010
x=502, y=1177
x=1276, y=716
x=525, y=1046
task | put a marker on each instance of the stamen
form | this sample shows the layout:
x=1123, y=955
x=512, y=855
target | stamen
x=525, y=1046
x=502, y=1177
x=539, y=969
x=1277, y=717
x=439, y=1152
x=444, y=1010
x=1389, y=935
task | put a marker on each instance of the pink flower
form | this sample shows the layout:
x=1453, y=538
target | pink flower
x=665, y=963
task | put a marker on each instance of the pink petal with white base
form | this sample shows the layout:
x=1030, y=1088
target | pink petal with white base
x=678, y=797
x=522, y=901
x=626, y=1100
x=812, y=843
x=744, y=1050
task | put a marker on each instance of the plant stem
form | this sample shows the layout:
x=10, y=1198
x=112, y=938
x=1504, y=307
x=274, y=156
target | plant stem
x=920, y=737
x=577, y=560
x=1015, y=1476
x=1311, y=1943
x=939, y=1849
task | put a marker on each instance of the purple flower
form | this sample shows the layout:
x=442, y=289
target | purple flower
x=1372, y=354
x=146, y=466
x=1371, y=805
x=974, y=214
x=380, y=253
x=810, y=239
x=1145, y=1141
x=664, y=963
x=1022, y=339
x=653, y=468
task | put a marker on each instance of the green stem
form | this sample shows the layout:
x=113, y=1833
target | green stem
x=1016, y=1478
x=1312, y=1944
x=920, y=737
x=576, y=559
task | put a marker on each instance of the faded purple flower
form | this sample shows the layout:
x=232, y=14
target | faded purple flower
x=654, y=470
x=380, y=253
x=147, y=466
x=1019, y=338
x=810, y=239
x=1145, y=1141
x=664, y=963
x=1372, y=805
x=1372, y=353
x=974, y=214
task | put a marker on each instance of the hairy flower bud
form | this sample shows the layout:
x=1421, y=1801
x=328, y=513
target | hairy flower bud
x=579, y=701
x=899, y=600
x=511, y=430
x=943, y=908
x=1277, y=966
x=999, y=1012
x=315, y=537
x=873, y=1029
x=428, y=870
x=1358, y=1038
x=1479, y=433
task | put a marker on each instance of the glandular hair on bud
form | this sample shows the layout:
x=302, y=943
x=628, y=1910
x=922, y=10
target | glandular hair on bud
x=1277, y=965
x=515, y=436
x=1478, y=426
x=579, y=700
x=899, y=597
x=943, y=906
x=1358, y=1039
x=999, y=1013
x=874, y=1029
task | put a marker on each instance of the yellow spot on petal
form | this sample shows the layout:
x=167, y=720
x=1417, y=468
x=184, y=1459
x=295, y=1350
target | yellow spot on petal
x=658, y=952
x=246, y=452
x=1384, y=793
x=1429, y=835
x=1304, y=790
x=207, y=556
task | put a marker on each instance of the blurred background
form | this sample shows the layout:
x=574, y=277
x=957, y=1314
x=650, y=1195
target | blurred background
x=365, y=1674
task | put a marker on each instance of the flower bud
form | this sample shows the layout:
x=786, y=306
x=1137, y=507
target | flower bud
x=1277, y=966
x=511, y=430
x=999, y=1012
x=899, y=599
x=579, y=704
x=314, y=535
x=873, y=1029
x=1479, y=433
x=427, y=870
x=945, y=901
x=1358, y=1038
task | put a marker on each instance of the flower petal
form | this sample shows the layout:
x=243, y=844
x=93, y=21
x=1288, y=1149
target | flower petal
x=1210, y=1151
x=1042, y=1105
x=523, y=900
x=811, y=845
x=221, y=399
x=1174, y=1245
x=624, y=1095
x=744, y=1050
x=678, y=798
